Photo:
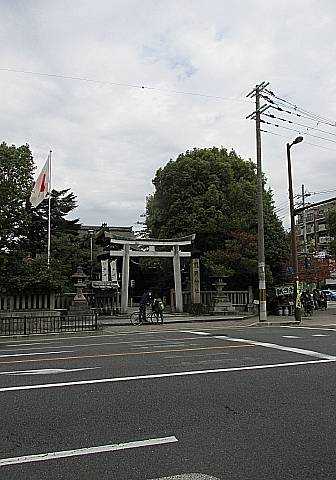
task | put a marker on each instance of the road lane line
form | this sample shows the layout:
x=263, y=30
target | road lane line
x=256, y=343
x=290, y=336
x=123, y=354
x=162, y=375
x=82, y=345
x=35, y=353
x=196, y=355
x=46, y=371
x=312, y=328
x=320, y=335
x=43, y=457
x=300, y=351
x=120, y=334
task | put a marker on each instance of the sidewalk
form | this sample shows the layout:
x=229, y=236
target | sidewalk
x=319, y=318
x=123, y=320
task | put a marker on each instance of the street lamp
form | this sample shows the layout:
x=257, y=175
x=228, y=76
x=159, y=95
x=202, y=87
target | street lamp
x=295, y=262
x=91, y=232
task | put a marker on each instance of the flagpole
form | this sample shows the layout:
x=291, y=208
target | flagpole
x=49, y=209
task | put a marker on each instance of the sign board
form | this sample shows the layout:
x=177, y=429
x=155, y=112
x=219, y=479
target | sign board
x=284, y=290
x=195, y=281
x=104, y=285
x=113, y=268
x=105, y=272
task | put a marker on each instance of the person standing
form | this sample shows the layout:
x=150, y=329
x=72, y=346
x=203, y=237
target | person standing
x=157, y=308
x=144, y=301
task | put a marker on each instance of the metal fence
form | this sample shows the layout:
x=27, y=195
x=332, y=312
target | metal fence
x=107, y=303
x=38, y=325
x=238, y=298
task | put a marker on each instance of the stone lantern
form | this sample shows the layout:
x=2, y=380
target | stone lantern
x=222, y=303
x=79, y=303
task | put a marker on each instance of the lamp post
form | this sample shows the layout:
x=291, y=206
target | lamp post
x=295, y=262
x=91, y=232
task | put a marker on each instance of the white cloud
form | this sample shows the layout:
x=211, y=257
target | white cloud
x=108, y=141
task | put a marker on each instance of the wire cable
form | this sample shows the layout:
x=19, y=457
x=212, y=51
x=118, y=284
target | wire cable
x=299, y=124
x=296, y=107
x=125, y=85
x=298, y=131
x=308, y=143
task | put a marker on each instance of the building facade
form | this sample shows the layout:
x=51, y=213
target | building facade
x=312, y=229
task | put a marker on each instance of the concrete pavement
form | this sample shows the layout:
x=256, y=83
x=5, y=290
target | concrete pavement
x=179, y=401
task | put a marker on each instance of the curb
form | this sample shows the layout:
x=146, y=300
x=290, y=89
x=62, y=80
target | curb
x=276, y=324
x=193, y=320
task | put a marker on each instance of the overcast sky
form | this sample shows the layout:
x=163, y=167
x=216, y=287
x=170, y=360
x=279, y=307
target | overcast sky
x=109, y=140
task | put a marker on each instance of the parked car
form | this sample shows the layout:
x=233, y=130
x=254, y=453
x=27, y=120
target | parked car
x=331, y=295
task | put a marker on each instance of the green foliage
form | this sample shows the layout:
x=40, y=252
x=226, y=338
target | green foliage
x=16, y=180
x=212, y=192
x=23, y=230
x=35, y=231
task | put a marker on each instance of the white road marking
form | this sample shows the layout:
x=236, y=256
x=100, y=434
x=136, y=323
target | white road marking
x=169, y=345
x=196, y=355
x=290, y=336
x=82, y=345
x=191, y=476
x=311, y=328
x=300, y=351
x=46, y=371
x=319, y=335
x=121, y=334
x=195, y=333
x=35, y=353
x=161, y=375
x=42, y=457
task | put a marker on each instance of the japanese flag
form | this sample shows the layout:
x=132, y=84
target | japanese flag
x=41, y=187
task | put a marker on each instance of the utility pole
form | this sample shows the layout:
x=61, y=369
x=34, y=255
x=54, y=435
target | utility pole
x=304, y=221
x=261, y=247
x=295, y=261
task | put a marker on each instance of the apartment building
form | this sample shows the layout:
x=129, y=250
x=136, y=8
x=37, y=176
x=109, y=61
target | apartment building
x=315, y=222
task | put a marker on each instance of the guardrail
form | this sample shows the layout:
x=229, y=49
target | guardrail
x=39, y=325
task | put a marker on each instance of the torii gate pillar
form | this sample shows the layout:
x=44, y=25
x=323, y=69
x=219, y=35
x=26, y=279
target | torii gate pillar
x=125, y=278
x=177, y=279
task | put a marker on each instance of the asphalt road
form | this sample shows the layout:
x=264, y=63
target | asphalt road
x=178, y=403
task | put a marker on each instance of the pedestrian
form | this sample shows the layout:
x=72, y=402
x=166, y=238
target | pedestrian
x=145, y=300
x=158, y=307
x=323, y=300
x=316, y=299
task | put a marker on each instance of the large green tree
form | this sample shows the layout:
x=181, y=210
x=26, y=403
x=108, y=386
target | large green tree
x=16, y=179
x=212, y=192
x=23, y=230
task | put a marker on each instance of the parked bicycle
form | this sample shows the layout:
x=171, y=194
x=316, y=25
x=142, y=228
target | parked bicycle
x=152, y=317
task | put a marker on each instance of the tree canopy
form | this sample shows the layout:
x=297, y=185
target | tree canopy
x=16, y=179
x=212, y=192
x=23, y=230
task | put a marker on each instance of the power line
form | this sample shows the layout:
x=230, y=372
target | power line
x=306, y=112
x=125, y=85
x=308, y=143
x=303, y=114
x=296, y=123
x=298, y=131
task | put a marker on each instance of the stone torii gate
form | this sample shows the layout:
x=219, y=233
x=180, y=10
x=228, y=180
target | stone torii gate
x=148, y=249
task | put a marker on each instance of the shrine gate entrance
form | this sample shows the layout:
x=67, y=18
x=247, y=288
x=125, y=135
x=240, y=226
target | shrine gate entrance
x=147, y=248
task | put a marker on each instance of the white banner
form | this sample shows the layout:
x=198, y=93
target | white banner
x=113, y=267
x=104, y=267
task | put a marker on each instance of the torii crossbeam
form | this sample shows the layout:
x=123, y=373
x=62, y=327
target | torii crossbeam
x=146, y=247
